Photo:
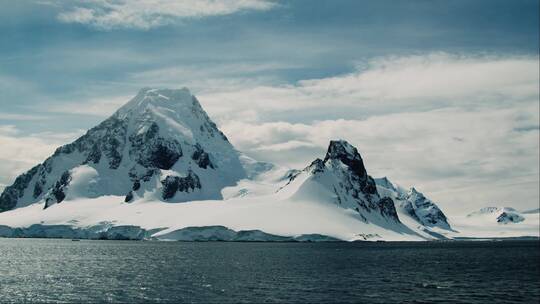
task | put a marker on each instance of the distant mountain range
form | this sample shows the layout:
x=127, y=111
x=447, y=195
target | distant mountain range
x=159, y=168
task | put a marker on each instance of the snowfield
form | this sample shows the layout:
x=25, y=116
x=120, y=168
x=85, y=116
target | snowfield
x=281, y=217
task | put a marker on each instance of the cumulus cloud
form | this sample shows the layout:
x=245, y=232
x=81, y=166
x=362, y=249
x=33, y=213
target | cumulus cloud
x=395, y=84
x=147, y=14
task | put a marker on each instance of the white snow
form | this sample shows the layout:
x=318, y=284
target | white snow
x=265, y=213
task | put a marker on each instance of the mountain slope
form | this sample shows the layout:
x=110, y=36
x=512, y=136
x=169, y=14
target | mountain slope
x=160, y=145
x=341, y=179
x=414, y=209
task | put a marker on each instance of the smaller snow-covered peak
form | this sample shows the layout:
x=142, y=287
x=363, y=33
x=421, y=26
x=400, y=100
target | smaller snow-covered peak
x=491, y=210
x=509, y=217
x=341, y=178
x=414, y=204
x=503, y=215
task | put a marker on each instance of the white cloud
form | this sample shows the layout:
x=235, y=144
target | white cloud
x=8, y=130
x=213, y=77
x=146, y=14
x=413, y=83
x=95, y=106
x=24, y=117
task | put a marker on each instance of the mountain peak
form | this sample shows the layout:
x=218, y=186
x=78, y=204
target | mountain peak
x=160, y=144
x=342, y=177
x=341, y=150
x=149, y=91
x=172, y=100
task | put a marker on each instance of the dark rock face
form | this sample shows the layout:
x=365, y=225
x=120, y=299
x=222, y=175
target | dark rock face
x=174, y=184
x=138, y=178
x=356, y=182
x=58, y=191
x=107, y=138
x=164, y=155
x=509, y=217
x=348, y=155
x=202, y=158
x=129, y=197
x=152, y=151
x=409, y=208
x=94, y=156
x=316, y=166
x=37, y=190
x=436, y=217
x=388, y=208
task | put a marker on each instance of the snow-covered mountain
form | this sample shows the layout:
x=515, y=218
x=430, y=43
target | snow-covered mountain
x=161, y=145
x=502, y=215
x=160, y=168
x=491, y=222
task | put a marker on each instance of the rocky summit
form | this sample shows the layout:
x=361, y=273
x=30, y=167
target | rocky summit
x=344, y=177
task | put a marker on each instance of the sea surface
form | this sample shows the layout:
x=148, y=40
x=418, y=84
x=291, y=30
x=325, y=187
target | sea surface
x=47, y=270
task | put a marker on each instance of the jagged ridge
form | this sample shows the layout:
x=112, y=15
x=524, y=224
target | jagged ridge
x=342, y=172
x=414, y=204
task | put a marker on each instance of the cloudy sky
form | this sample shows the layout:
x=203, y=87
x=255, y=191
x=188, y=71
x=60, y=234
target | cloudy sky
x=442, y=95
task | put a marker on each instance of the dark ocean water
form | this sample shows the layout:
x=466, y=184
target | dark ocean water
x=40, y=270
